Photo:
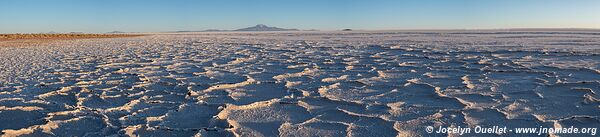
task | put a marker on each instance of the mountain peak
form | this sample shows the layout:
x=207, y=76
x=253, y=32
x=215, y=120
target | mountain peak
x=262, y=27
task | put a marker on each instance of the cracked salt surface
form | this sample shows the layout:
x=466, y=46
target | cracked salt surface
x=300, y=84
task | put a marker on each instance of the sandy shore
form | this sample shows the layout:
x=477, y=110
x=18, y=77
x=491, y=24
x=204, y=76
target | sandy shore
x=300, y=84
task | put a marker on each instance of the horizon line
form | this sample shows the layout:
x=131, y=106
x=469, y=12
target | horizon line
x=326, y=30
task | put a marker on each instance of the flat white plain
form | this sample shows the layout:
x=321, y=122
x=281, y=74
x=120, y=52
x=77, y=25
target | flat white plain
x=377, y=83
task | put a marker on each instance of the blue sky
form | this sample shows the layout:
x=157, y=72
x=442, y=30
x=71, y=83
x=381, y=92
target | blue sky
x=30, y=16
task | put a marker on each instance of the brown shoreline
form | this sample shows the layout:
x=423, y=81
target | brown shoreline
x=30, y=39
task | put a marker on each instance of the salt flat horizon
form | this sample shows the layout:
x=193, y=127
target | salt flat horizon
x=322, y=30
x=296, y=68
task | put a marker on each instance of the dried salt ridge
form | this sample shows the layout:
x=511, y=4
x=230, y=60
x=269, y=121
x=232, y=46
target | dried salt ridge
x=300, y=84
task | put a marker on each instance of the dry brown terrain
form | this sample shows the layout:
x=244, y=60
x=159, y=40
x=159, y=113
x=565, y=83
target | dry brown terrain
x=30, y=39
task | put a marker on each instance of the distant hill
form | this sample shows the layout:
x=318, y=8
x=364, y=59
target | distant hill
x=115, y=32
x=214, y=30
x=208, y=30
x=261, y=27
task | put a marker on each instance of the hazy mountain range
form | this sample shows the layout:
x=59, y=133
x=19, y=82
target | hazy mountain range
x=259, y=27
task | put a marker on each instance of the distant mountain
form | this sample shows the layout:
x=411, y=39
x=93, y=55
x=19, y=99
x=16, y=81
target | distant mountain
x=261, y=27
x=208, y=30
x=188, y=31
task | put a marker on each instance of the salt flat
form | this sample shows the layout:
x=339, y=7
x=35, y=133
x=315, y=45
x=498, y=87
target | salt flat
x=371, y=83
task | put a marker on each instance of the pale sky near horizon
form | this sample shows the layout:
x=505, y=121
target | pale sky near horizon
x=35, y=16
